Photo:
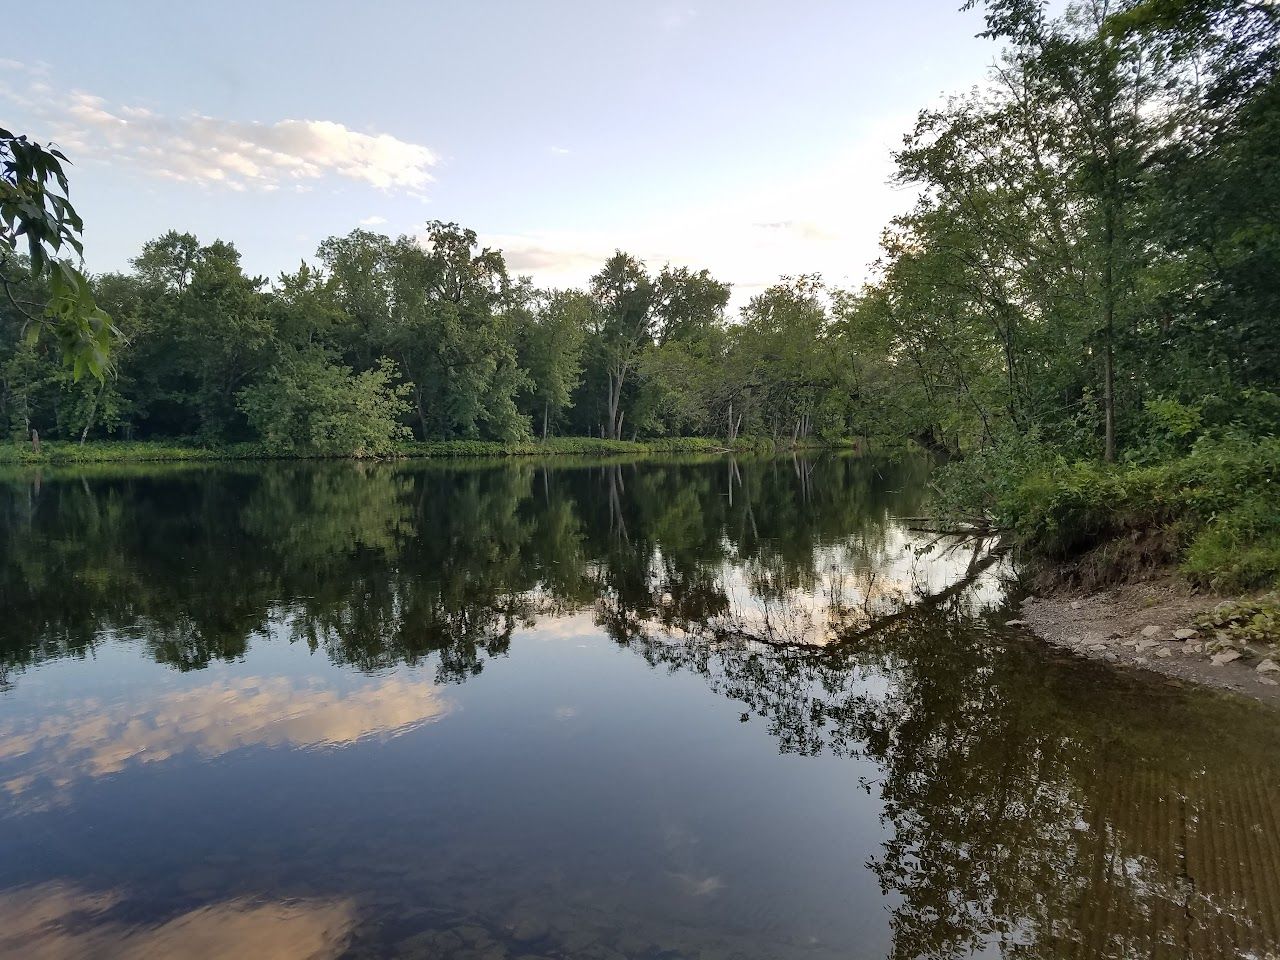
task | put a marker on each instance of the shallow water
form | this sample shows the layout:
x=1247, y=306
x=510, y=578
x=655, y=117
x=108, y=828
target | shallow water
x=651, y=709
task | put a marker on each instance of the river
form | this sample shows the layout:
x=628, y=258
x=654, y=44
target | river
x=655, y=708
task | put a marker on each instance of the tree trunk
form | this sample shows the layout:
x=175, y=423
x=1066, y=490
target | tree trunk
x=417, y=402
x=616, y=379
x=93, y=412
x=1108, y=331
x=609, y=409
x=1109, y=402
x=545, y=407
x=615, y=403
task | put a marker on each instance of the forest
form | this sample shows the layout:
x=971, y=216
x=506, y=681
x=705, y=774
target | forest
x=1078, y=313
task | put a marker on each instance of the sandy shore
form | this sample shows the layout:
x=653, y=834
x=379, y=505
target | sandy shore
x=1150, y=626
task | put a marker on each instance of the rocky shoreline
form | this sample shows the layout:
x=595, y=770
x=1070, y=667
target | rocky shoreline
x=1160, y=626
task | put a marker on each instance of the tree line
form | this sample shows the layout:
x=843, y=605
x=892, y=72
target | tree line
x=1092, y=262
x=383, y=339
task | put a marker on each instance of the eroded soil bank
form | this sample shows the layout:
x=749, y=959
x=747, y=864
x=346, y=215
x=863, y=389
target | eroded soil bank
x=1163, y=626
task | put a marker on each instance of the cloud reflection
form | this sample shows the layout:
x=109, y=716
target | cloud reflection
x=87, y=738
x=56, y=921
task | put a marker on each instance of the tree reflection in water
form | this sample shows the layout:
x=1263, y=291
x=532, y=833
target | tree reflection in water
x=1033, y=806
x=1033, y=811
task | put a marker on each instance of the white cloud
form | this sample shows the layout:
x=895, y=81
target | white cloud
x=206, y=150
x=58, y=920
x=560, y=151
x=373, y=221
x=40, y=759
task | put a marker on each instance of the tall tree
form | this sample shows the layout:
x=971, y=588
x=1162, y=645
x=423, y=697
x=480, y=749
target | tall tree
x=624, y=292
x=552, y=336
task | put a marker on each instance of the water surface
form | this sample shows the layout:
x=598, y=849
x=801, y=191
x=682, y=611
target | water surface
x=651, y=709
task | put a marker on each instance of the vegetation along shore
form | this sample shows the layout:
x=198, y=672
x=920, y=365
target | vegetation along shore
x=143, y=451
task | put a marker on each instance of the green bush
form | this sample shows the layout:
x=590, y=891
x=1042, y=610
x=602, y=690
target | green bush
x=308, y=404
x=1215, y=509
x=1239, y=548
x=981, y=486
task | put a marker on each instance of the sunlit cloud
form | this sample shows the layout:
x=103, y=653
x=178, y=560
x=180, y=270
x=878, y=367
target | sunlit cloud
x=210, y=151
x=56, y=921
x=40, y=759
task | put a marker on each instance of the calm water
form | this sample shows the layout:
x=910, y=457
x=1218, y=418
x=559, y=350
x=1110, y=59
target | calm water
x=660, y=709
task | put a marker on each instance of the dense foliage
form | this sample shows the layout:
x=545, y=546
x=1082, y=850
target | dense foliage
x=429, y=337
x=1084, y=300
x=37, y=218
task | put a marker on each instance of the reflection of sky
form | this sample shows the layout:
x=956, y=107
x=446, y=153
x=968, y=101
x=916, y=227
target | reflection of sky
x=57, y=921
x=855, y=581
x=45, y=753
x=576, y=785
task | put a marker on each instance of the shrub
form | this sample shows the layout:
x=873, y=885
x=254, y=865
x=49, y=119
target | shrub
x=1216, y=508
x=309, y=404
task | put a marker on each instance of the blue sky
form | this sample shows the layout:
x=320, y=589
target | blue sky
x=751, y=138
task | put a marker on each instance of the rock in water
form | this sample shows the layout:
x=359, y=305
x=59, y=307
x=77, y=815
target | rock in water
x=1225, y=657
x=1268, y=666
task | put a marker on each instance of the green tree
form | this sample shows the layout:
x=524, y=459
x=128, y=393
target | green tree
x=307, y=403
x=624, y=329
x=552, y=336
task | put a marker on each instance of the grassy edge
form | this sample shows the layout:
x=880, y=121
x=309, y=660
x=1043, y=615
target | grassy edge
x=110, y=451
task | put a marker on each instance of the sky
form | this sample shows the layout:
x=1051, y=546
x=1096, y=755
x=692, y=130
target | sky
x=751, y=138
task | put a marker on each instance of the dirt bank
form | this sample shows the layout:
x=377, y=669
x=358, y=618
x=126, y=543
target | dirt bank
x=1151, y=625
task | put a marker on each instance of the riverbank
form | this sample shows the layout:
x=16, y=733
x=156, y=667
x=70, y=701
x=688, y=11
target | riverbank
x=1163, y=625
x=111, y=451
